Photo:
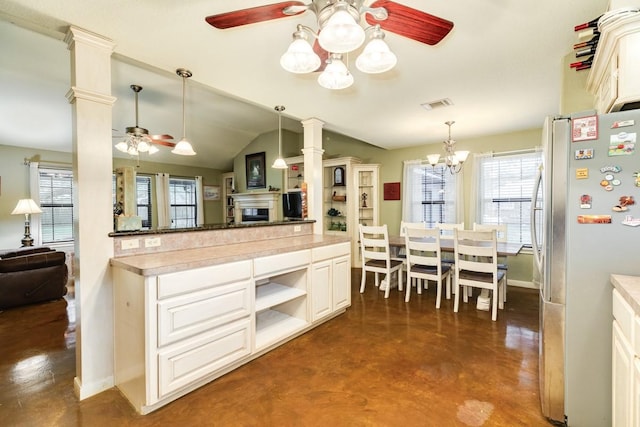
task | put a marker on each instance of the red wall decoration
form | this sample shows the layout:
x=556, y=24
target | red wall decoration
x=392, y=191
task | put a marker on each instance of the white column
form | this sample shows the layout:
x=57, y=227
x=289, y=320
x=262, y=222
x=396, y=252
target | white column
x=313, y=170
x=91, y=100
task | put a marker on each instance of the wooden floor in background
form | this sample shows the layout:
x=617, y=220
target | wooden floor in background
x=382, y=363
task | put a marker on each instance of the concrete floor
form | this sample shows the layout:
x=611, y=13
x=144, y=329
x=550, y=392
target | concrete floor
x=382, y=363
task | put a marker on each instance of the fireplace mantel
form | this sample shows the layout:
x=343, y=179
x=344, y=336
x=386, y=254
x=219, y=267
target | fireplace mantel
x=258, y=200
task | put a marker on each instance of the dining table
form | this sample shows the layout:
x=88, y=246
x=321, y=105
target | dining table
x=446, y=245
x=504, y=249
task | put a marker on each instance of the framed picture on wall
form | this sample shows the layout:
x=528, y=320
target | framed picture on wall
x=255, y=170
x=212, y=192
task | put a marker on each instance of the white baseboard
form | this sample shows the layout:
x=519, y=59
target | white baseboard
x=84, y=391
x=521, y=284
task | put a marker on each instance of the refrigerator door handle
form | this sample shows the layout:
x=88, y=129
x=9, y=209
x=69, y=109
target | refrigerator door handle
x=537, y=253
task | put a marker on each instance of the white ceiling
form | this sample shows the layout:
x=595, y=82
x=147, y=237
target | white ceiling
x=501, y=66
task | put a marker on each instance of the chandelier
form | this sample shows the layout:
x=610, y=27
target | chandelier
x=453, y=160
x=340, y=33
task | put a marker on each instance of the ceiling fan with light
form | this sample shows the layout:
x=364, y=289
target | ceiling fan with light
x=339, y=32
x=137, y=139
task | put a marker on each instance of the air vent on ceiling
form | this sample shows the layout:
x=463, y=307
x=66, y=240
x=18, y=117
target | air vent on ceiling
x=445, y=102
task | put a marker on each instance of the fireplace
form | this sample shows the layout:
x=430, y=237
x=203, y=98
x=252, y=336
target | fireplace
x=255, y=214
x=254, y=207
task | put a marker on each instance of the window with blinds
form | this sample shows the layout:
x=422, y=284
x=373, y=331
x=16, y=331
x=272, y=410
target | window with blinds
x=432, y=194
x=182, y=202
x=56, y=202
x=143, y=193
x=505, y=187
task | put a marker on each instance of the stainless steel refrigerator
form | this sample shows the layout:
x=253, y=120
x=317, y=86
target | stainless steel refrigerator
x=584, y=225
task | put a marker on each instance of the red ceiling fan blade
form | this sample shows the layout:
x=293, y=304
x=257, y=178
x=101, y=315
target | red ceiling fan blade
x=160, y=140
x=252, y=15
x=411, y=23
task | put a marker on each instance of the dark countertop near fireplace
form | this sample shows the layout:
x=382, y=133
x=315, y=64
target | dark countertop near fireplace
x=207, y=227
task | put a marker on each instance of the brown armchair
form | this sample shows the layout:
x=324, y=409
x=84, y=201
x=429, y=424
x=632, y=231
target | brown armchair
x=32, y=275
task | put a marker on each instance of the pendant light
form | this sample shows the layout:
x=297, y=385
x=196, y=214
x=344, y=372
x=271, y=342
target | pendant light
x=183, y=147
x=279, y=163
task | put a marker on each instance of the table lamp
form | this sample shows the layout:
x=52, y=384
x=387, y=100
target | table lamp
x=26, y=207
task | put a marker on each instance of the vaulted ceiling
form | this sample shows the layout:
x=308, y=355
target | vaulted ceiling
x=500, y=66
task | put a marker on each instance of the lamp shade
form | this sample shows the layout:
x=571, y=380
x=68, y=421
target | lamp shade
x=341, y=34
x=335, y=75
x=300, y=57
x=279, y=163
x=376, y=58
x=183, y=148
x=26, y=206
x=433, y=159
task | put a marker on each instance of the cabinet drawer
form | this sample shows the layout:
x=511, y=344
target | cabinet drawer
x=190, y=314
x=199, y=278
x=283, y=262
x=332, y=251
x=624, y=315
x=195, y=359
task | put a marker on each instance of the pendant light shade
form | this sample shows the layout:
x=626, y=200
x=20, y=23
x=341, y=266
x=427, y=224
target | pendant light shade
x=183, y=147
x=341, y=33
x=376, y=57
x=279, y=163
x=335, y=75
x=300, y=57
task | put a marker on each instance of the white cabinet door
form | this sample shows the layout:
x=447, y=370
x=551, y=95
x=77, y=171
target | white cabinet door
x=321, y=289
x=341, y=280
x=622, y=373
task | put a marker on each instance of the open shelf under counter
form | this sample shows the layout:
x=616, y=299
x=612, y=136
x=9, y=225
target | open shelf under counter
x=271, y=294
x=273, y=326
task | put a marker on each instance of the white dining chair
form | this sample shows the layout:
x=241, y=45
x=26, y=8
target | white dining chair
x=501, y=236
x=476, y=265
x=376, y=256
x=400, y=254
x=446, y=229
x=424, y=261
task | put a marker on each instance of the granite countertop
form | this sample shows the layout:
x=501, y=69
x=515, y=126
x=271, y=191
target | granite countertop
x=206, y=227
x=629, y=288
x=169, y=262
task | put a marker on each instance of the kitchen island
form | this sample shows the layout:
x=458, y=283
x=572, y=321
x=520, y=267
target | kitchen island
x=216, y=299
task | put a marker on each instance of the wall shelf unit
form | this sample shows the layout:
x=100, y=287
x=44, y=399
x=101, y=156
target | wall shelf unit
x=366, y=177
x=339, y=196
x=294, y=177
x=228, y=187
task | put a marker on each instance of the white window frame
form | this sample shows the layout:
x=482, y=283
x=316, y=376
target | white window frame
x=418, y=193
x=504, y=189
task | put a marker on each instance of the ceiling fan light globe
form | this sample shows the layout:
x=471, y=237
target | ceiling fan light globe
x=300, y=58
x=341, y=33
x=183, y=148
x=153, y=149
x=122, y=146
x=279, y=163
x=132, y=150
x=376, y=58
x=335, y=76
x=143, y=146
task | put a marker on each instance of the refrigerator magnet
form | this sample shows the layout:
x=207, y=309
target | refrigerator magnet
x=584, y=128
x=622, y=144
x=582, y=173
x=583, y=154
x=631, y=221
x=636, y=175
x=623, y=123
x=594, y=219
x=585, y=201
x=614, y=169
